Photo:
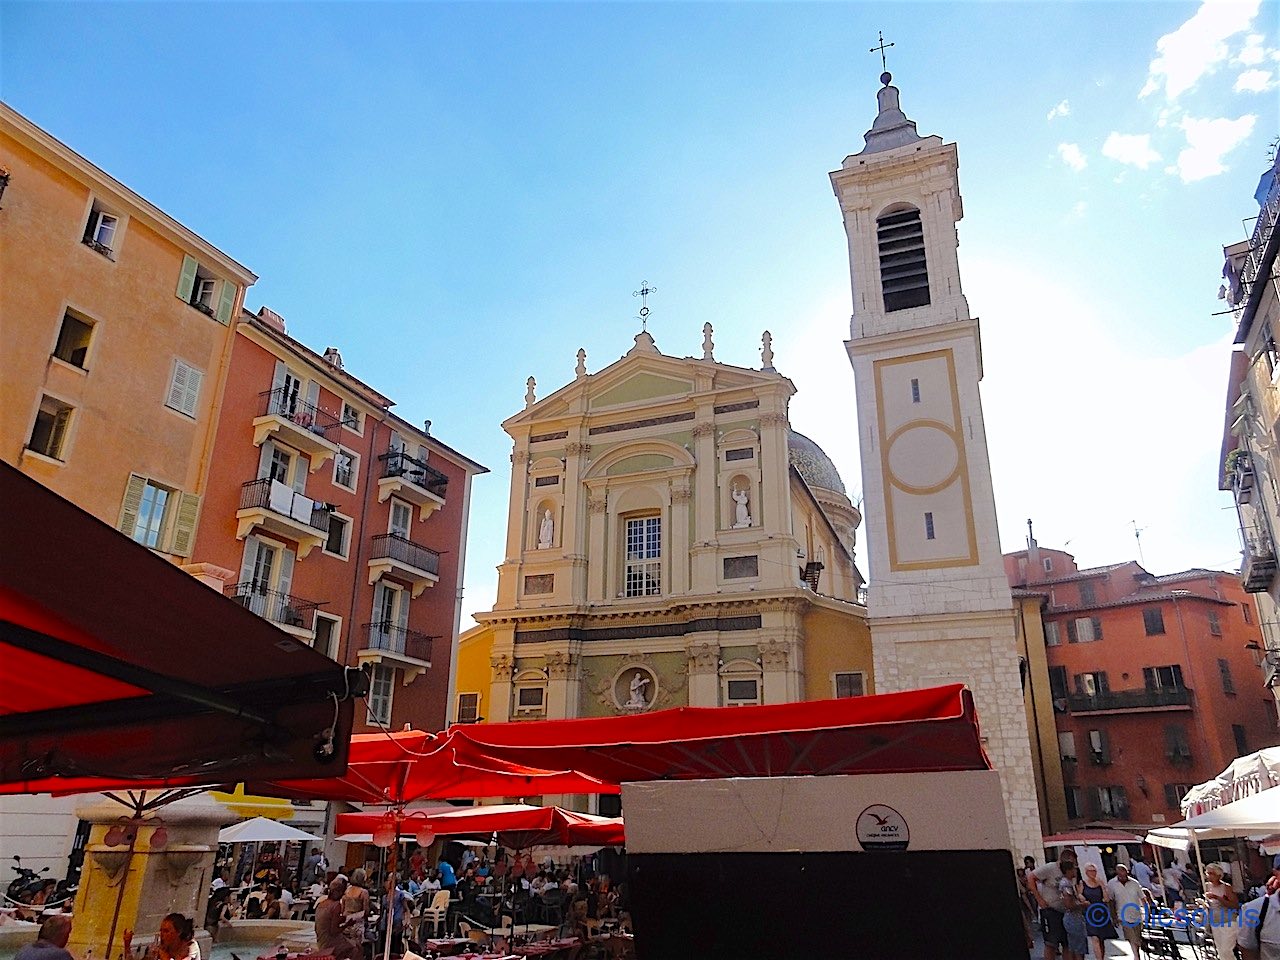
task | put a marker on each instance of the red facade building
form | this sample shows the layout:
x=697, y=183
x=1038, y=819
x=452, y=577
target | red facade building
x=337, y=520
x=1152, y=678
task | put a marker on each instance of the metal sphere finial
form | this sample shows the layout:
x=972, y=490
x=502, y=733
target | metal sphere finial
x=886, y=77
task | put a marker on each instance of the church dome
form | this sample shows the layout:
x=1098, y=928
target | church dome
x=812, y=463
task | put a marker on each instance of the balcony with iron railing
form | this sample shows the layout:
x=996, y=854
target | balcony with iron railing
x=1258, y=262
x=401, y=558
x=1258, y=568
x=291, y=613
x=275, y=507
x=397, y=646
x=1118, y=701
x=296, y=422
x=412, y=479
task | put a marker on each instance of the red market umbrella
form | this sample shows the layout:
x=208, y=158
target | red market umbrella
x=119, y=665
x=518, y=826
x=917, y=730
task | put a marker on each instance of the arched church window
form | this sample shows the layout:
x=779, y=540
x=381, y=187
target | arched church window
x=904, y=276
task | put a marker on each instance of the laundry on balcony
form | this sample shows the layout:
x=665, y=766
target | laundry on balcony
x=281, y=498
x=302, y=508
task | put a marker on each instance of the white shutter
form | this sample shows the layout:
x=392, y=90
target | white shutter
x=132, y=505
x=194, y=380
x=246, y=565
x=184, y=525
x=285, y=582
x=278, y=404
x=402, y=610
x=301, y=467
x=397, y=442
x=313, y=396
x=177, y=386
x=264, y=459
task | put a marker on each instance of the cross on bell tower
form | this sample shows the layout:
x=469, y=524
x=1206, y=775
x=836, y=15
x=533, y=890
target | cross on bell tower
x=643, y=294
x=884, y=64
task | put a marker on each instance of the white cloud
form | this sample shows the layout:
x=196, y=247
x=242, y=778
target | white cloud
x=1254, y=81
x=1072, y=156
x=1133, y=149
x=1208, y=141
x=1063, y=109
x=1253, y=52
x=1197, y=47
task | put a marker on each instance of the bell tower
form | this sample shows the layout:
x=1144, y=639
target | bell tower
x=939, y=605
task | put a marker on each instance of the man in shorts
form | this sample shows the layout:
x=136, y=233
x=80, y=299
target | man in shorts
x=1044, y=885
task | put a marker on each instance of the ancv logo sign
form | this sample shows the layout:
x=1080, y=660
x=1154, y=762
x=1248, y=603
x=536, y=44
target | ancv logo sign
x=882, y=828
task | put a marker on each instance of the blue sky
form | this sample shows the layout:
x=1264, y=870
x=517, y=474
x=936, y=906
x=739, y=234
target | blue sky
x=460, y=196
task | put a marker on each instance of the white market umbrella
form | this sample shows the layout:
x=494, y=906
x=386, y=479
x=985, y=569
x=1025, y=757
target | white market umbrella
x=1259, y=813
x=262, y=830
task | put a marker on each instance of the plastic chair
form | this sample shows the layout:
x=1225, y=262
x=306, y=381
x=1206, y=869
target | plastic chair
x=437, y=913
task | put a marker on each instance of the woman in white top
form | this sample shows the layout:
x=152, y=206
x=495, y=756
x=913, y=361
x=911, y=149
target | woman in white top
x=1223, y=903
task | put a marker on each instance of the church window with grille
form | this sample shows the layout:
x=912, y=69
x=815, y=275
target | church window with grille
x=904, y=276
x=644, y=557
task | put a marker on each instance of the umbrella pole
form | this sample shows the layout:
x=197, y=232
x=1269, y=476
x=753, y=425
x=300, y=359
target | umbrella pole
x=124, y=879
x=388, y=911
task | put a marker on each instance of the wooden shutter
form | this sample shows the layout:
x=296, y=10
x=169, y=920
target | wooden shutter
x=58, y=435
x=301, y=467
x=313, y=396
x=397, y=442
x=402, y=611
x=1071, y=631
x=226, y=302
x=246, y=565
x=177, y=386
x=132, y=504
x=1104, y=750
x=1097, y=627
x=264, y=459
x=187, y=279
x=184, y=526
x=285, y=583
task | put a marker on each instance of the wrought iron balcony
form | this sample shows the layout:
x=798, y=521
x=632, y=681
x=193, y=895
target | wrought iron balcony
x=280, y=608
x=1261, y=254
x=1259, y=566
x=276, y=497
x=387, y=637
x=283, y=402
x=1243, y=479
x=391, y=546
x=1117, y=700
x=399, y=464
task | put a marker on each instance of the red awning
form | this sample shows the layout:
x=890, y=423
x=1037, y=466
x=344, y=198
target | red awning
x=398, y=768
x=518, y=826
x=917, y=730
x=116, y=664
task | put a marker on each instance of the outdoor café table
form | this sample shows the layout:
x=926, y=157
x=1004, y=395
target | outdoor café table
x=547, y=948
x=297, y=956
x=446, y=946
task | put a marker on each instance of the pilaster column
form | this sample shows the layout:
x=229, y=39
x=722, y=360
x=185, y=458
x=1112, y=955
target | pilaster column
x=502, y=666
x=704, y=674
x=774, y=479
x=573, y=539
x=562, y=676
x=597, y=503
x=681, y=495
x=705, y=504
x=516, y=503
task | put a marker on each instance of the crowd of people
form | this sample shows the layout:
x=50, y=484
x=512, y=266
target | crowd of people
x=1062, y=897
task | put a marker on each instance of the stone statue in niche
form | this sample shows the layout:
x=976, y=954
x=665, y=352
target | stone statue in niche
x=546, y=532
x=639, y=684
x=742, y=516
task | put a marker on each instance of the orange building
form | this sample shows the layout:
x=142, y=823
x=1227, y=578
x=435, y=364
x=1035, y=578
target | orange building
x=337, y=520
x=117, y=326
x=1150, y=680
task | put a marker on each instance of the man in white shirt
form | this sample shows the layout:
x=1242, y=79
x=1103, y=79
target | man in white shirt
x=1142, y=873
x=1127, y=894
x=1260, y=922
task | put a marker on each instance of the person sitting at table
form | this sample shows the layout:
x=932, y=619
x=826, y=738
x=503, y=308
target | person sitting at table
x=50, y=942
x=175, y=941
x=332, y=927
x=429, y=886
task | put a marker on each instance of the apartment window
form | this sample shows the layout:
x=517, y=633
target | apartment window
x=149, y=528
x=468, y=708
x=1092, y=684
x=73, y=340
x=915, y=390
x=381, y=689
x=1048, y=564
x=100, y=230
x=1087, y=595
x=278, y=465
x=1153, y=620
x=1248, y=614
x=736, y=568
x=1112, y=802
x=202, y=290
x=1051, y=636
x=339, y=532
x=928, y=526
x=351, y=418
x=184, y=388
x=401, y=519
x=49, y=435
x=1242, y=742
x=1067, y=746
x=850, y=684
x=344, y=469
x=327, y=635
x=1224, y=671
x=1176, y=746
x=1084, y=629
x=1215, y=623
x=1058, y=683
x=1163, y=678
x=1099, y=747
x=904, y=276
x=643, y=577
x=1173, y=794
x=740, y=453
x=1075, y=803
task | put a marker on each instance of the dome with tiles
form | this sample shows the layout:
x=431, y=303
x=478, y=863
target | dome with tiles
x=812, y=463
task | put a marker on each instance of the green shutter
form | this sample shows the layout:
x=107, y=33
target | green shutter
x=187, y=281
x=132, y=504
x=184, y=527
x=227, y=302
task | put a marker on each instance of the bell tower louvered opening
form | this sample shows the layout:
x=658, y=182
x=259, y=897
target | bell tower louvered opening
x=904, y=277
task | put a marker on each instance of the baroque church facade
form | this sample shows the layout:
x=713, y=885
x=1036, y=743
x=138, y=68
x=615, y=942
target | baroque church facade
x=671, y=542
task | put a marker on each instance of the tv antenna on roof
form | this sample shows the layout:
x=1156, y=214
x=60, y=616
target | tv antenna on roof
x=1137, y=535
